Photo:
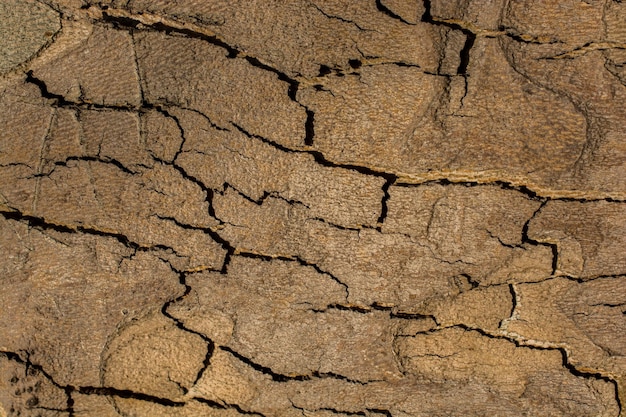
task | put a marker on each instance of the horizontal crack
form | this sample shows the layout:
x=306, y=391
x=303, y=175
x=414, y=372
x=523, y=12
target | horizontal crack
x=395, y=178
x=227, y=406
x=318, y=156
x=41, y=223
x=114, y=392
x=586, y=48
x=278, y=377
x=264, y=369
x=520, y=341
x=506, y=185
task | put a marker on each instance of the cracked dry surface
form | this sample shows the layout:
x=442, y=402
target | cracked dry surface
x=312, y=208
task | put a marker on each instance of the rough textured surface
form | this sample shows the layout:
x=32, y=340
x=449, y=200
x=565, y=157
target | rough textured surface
x=312, y=208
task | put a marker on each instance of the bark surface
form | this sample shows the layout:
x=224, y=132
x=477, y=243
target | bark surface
x=312, y=208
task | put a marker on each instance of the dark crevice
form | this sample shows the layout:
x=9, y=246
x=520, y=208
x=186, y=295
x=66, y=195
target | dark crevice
x=182, y=276
x=530, y=194
x=262, y=198
x=355, y=63
x=465, y=53
x=367, y=309
x=302, y=262
x=293, y=84
x=232, y=52
x=503, y=243
x=278, y=377
x=230, y=249
x=45, y=93
x=344, y=412
x=554, y=247
x=227, y=258
x=309, y=128
x=592, y=375
x=61, y=101
x=264, y=369
x=324, y=70
x=340, y=227
x=29, y=366
x=265, y=140
x=124, y=22
x=321, y=271
x=565, y=360
x=339, y=18
x=412, y=316
x=505, y=185
x=512, y=34
x=588, y=200
x=343, y=307
x=385, y=413
x=42, y=224
x=69, y=404
x=102, y=160
x=333, y=375
x=463, y=279
x=385, y=10
x=470, y=37
x=513, y=304
x=318, y=156
x=227, y=406
x=123, y=393
x=427, y=17
x=383, y=204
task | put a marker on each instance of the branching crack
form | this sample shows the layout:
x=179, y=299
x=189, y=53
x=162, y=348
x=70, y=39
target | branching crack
x=391, y=177
x=552, y=246
x=182, y=275
x=318, y=156
x=124, y=20
x=69, y=390
x=521, y=341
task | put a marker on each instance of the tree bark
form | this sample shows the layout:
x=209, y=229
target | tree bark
x=312, y=208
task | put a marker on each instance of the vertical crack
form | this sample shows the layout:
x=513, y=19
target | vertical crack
x=470, y=38
x=391, y=179
x=136, y=61
x=553, y=246
x=182, y=276
x=309, y=127
x=69, y=390
x=427, y=17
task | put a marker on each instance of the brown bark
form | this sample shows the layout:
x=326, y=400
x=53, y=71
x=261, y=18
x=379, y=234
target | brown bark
x=312, y=208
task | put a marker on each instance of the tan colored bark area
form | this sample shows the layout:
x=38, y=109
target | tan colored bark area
x=312, y=208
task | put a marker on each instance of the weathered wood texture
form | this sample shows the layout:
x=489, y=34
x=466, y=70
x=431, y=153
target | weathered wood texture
x=312, y=208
